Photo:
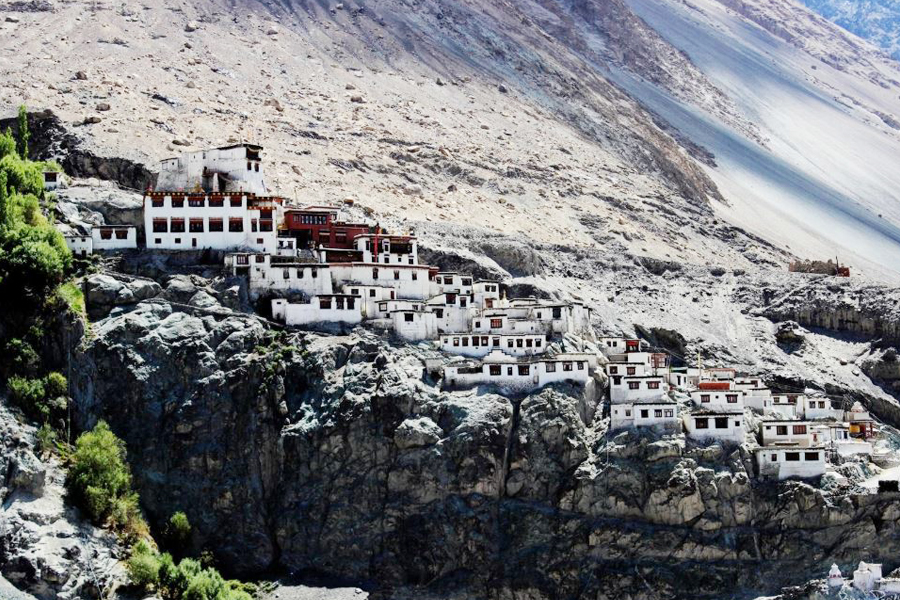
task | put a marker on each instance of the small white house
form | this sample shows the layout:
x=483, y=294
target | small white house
x=818, y=407
x=486, y=294
x=454, y=282
x=867, y=577
x=719, y=397
x=335, y=308
x=759, y=398
x=618, y=345
x=712, y=425
x=52, y=180
x=632, y=389
x=113, y=237
x=387, y=249
x=778, y=462
x=784, y=405
x=788, y=433
x=659, y=415
x=312, y=279
x=414, y=325
x=79, y=244
x=683, y=378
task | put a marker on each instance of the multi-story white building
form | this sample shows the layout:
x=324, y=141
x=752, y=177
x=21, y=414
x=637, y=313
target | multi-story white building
x=618, y=345
x=476, y=345
x=818, y=407
x=660, y=415
x=216, y=221
x=113, y=237
x=235, y=168
x=387, y=249
x=521, y=374
x=332, y=308
x=714, y=425
x=778, y=462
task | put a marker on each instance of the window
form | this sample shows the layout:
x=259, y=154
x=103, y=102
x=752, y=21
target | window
x=781, y=430
x=551, y=367
x=177, y=240
x=396, y=274
x=613, y=370
x=476, y=341
x=774, y=458
x=195, y=202
x=731, y=398
x=520, y=342
x=657, y=413
x=216, y=202
x=177, y=225
x=372, y=294
x=325, y=303
x=439, y=313
x=465, y=341
x=529, y=343
x=721, y=422
x=462, y=302
x=632, y=385
x=630, y=370
x=496, y=323
x=456, y=341
x=121, y=234
x=580, y=365
x=156, y=202
x=106, y=234
x=652, y=385
x=670, y=412
x=466, y=281
x=537, y=342
x=567, y=366
x=249, y=166
x=415, y=277
x=158, y=240
x=177, y=202
x=196, y=225
x=557, y=313
x=235, y=202
x=216, y=225
x=374, y=273
x=339, y=303
x=260, y=241
x=811, y=456
x=524, y=369
x=408, y=317
x=799, y=429
x=495, y=370
x=253, y=225
x=495, y=342
x=792, y=456
x=235, y=225
x=627, y=413
x=645, y=414
x=286, y=273
x=702, y=423
x=477, y=324
x=704, y=397
x=509, y=370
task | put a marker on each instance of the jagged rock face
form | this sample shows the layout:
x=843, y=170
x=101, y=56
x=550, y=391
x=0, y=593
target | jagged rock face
x=339, y=454
x=843, y=305
x=46, y=549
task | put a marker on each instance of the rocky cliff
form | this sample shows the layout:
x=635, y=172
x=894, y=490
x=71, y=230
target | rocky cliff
x=342, y=455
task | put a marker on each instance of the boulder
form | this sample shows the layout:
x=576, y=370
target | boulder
x=415, y=433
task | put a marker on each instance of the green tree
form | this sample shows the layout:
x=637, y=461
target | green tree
x=28, y=394
x=178, y=532
x=99, y=479
x=143, y=566
x=55, y=384
x=33, y=259
x=4, y=201
x=24, y=134
x=7, y=143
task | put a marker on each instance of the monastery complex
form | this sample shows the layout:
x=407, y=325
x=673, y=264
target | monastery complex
x=322, y=271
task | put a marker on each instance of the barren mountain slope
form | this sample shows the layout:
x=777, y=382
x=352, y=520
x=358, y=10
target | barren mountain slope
x=827, y=104
x=399, y=105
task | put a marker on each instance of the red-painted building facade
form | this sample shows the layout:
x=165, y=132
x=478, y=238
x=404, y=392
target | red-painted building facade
x=315, y=226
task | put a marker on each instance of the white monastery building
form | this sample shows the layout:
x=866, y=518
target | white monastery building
x=114, y=237
x=658, y=415
x=713, y=425
x=235, y=168
x=777, y=462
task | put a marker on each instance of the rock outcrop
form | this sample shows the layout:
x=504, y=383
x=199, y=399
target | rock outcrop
x=46, y=548
x=341, y=455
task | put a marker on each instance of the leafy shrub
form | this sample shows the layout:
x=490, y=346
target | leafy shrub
x=22, y=358
x=7, y=143
x=206, y=585
x=55, y=384
x=28, y=394
x=46, y=438
x=178, y=531
x=32, y=259
x=144, y=565
x=100, y=481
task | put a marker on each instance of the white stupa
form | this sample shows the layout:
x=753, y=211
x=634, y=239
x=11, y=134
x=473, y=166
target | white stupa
x=835, y=579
